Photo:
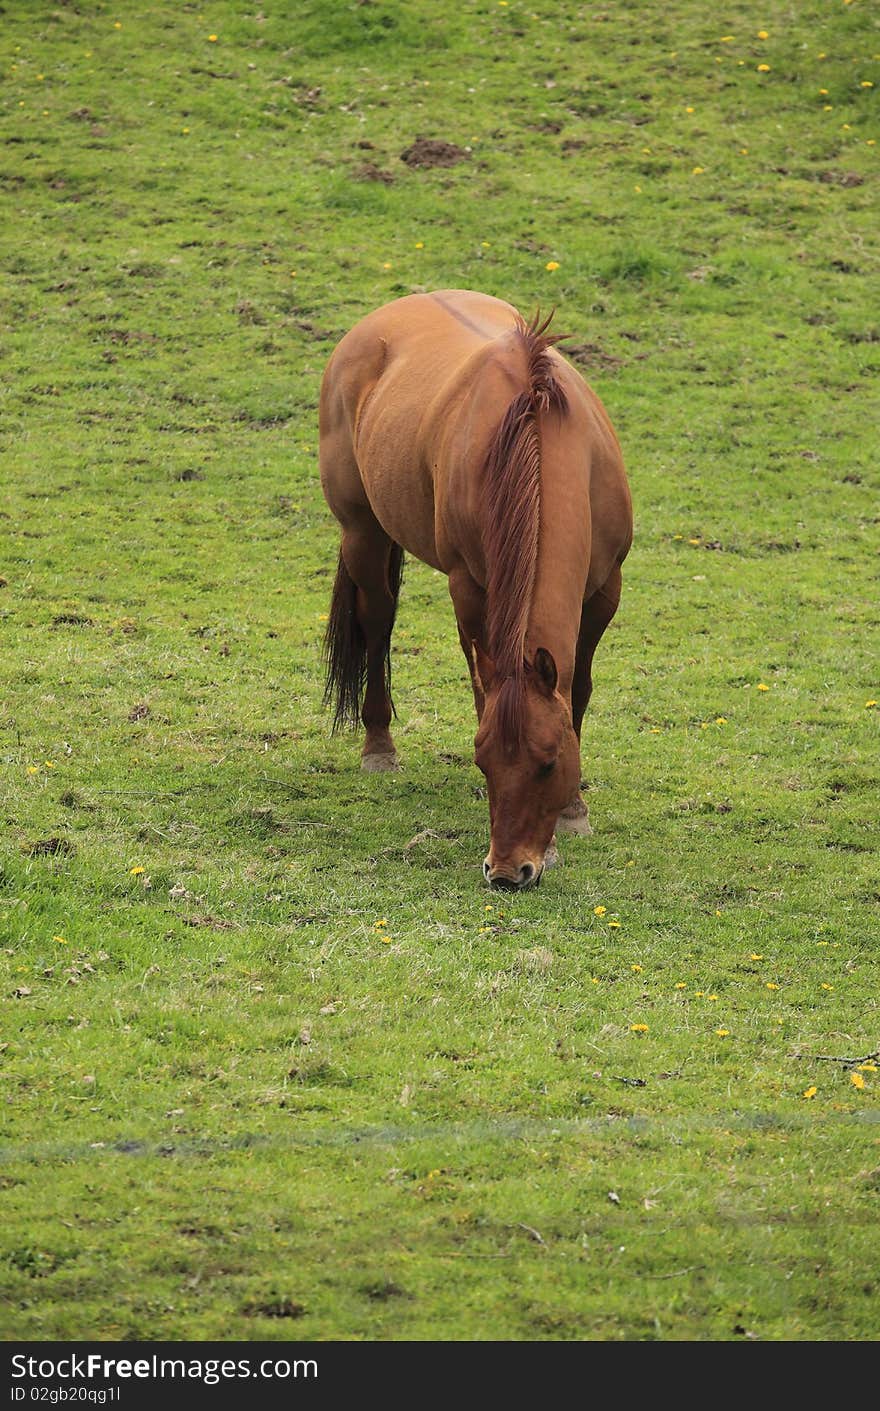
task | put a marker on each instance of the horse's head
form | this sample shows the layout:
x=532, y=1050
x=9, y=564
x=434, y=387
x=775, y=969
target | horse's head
x=528, y=751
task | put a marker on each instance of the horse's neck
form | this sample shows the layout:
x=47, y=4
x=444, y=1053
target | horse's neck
x=563, y=560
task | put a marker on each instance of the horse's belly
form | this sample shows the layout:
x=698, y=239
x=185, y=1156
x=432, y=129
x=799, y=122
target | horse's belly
x=398, y=483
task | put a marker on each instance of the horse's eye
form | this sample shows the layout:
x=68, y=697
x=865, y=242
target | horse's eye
x=546, y=769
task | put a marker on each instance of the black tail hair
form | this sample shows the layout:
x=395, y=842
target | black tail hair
x=345, y=650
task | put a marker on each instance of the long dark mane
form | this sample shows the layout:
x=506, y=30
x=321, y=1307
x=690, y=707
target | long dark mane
x=513, y=511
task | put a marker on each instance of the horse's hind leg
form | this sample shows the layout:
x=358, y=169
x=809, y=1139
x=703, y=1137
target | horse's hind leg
x=596, y=614
x=358, y=642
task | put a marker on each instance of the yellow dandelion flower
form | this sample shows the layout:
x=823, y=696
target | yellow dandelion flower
x=698, y=171
x=689, y=110
x=136, y=871
x=823, y=92
x=827, y=108
x=845, y=127
x=699, y=993
x=60, y=940
x=599, y=910
x=723, y=1033
x=614, y=925
x=762, y=687
x=762, y=34
x=116, y=24
x=49, y=763
x=866, y=83
x=212, y=39
x=744, y=151
x=636, y=967
x=755, y=956
x=552, y=265
x=711, y=996
x=827, y=986
x=726, y=39
x=385, y=938
x=680, y=985
x=486, y=244
x=811, y=1091
x=771, y=985
x=643, y=1029
x=593, y=980
x=857, y=1080
x=870, y=705
x=867, y=1067
x=721, y=720
x=33, y=769
x=387, y=265
x=763, y=68
x=420, y=244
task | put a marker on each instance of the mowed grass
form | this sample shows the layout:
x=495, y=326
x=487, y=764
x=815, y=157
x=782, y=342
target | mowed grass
x=275, y=1064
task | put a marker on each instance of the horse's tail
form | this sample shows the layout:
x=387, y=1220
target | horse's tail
x=345, y=649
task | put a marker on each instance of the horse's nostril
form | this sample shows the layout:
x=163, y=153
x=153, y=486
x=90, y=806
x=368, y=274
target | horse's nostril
x=486, y=868
x=526, y=874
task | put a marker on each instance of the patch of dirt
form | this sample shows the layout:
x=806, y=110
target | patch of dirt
x=139, y=712
x=368, y=171
x=190, y=474
x=275, y=1308
x=590, y=355
x=128, y=335
x=51, y=847
x=383, y=1290
x=71, y=619
x=840, y=178
x=248, y=312
x=320, y=333
x=215, y=922
x=431, y=152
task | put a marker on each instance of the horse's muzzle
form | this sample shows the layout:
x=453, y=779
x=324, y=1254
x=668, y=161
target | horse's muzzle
x=528, y=875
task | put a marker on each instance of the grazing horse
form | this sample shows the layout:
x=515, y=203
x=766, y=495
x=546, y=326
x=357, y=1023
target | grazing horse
x=455, y=431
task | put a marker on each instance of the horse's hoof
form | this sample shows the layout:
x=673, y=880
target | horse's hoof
x=551, y=857
x=379, y=763
x=574, y=819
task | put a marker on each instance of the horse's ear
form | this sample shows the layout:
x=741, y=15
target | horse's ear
x=545, y=670
x=484, y=668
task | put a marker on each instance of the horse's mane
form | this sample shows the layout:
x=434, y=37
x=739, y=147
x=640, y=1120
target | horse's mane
x=513, y=509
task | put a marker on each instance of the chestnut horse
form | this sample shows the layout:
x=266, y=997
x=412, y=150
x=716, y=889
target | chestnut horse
x=455, y=431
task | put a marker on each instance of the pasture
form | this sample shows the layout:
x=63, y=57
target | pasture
x=275, y=1063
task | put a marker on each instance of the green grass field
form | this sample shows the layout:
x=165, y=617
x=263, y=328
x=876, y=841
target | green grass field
x=275, y=1063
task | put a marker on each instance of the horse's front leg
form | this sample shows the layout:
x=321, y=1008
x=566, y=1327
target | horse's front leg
x=469, y=601
x=596, y=614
